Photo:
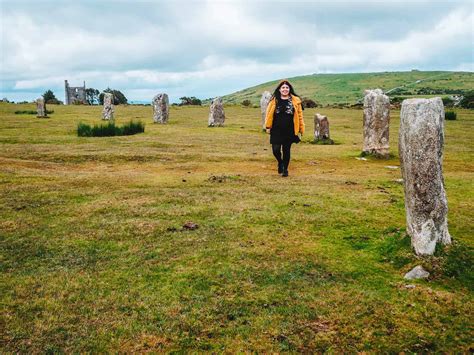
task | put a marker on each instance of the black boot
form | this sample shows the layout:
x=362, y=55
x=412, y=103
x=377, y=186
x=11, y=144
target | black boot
x=280, y=168
x=285, y=173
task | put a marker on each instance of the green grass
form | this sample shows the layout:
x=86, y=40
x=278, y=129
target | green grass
x=31, y=112
x=109, y=129
x=348, y=88
x=94, y=256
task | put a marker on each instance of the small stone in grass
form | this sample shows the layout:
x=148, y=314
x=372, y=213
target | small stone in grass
x=417, y=273
x=190, y=226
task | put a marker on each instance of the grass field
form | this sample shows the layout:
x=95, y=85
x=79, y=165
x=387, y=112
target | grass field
x=94, y=256
x=327, y=89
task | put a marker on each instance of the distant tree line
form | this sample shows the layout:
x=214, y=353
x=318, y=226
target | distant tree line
x=94, y=97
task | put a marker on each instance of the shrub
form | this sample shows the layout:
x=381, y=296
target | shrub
x=110, y=129
x=185, y=101
x=467, y=100
x=308, y=103
x=132, y=128
x=448, y=102
x=450, y=115
x=31, y=112
x=105, y=130
x=246, y=103
x=83, y=130
x=54, y=102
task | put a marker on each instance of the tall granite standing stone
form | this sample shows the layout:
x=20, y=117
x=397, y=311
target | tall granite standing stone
x=376, y=123
x=321, y=129
x=216, y=113
x=108, y=110
x=264, y=101
x=161, y=108
x=420, y=146
x=40, y=108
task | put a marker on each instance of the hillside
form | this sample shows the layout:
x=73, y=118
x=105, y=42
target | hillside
x=349, y=87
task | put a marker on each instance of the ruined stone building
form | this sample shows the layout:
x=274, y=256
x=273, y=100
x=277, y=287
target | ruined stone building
x=75, y=94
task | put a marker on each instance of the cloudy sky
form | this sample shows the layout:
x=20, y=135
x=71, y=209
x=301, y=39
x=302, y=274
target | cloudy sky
x=211, y=48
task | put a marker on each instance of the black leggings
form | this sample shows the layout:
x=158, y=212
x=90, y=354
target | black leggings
x=277, y=150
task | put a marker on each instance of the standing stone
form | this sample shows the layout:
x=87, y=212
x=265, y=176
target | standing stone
x=420, y=146
x=264, y=101
x=321, y=129
x=108, y=110
x=160, y=108
x=40, y=108
x=216, y=113
x=376, y=123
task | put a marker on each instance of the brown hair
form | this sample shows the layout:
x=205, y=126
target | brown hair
x=276, y=93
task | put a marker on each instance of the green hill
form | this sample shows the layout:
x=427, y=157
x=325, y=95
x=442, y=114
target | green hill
x=348, y=88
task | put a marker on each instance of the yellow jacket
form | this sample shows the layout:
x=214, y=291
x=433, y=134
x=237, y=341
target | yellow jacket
x=297, y=117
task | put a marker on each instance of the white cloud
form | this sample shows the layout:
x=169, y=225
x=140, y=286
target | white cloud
x=212, y=47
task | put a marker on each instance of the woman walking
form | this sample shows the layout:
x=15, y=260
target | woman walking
x=284, y=122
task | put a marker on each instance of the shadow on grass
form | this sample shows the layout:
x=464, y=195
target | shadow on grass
x=395, y=247
x=452, y=266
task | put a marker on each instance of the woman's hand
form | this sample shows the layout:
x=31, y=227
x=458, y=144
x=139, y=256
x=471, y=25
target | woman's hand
x=268, y=130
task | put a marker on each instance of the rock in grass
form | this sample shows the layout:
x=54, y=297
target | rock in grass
x=216, y=113
x=417, y=273
x=108, y=110
x=264, y=101
x=40, y=108
x=420, y=146
x=190, y=226
x=376, y=123
x=160, y=108
x=321, y=129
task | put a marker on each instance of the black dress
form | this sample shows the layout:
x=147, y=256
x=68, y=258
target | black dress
x=283, y=129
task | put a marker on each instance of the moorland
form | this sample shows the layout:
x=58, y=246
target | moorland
x=95, y=256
